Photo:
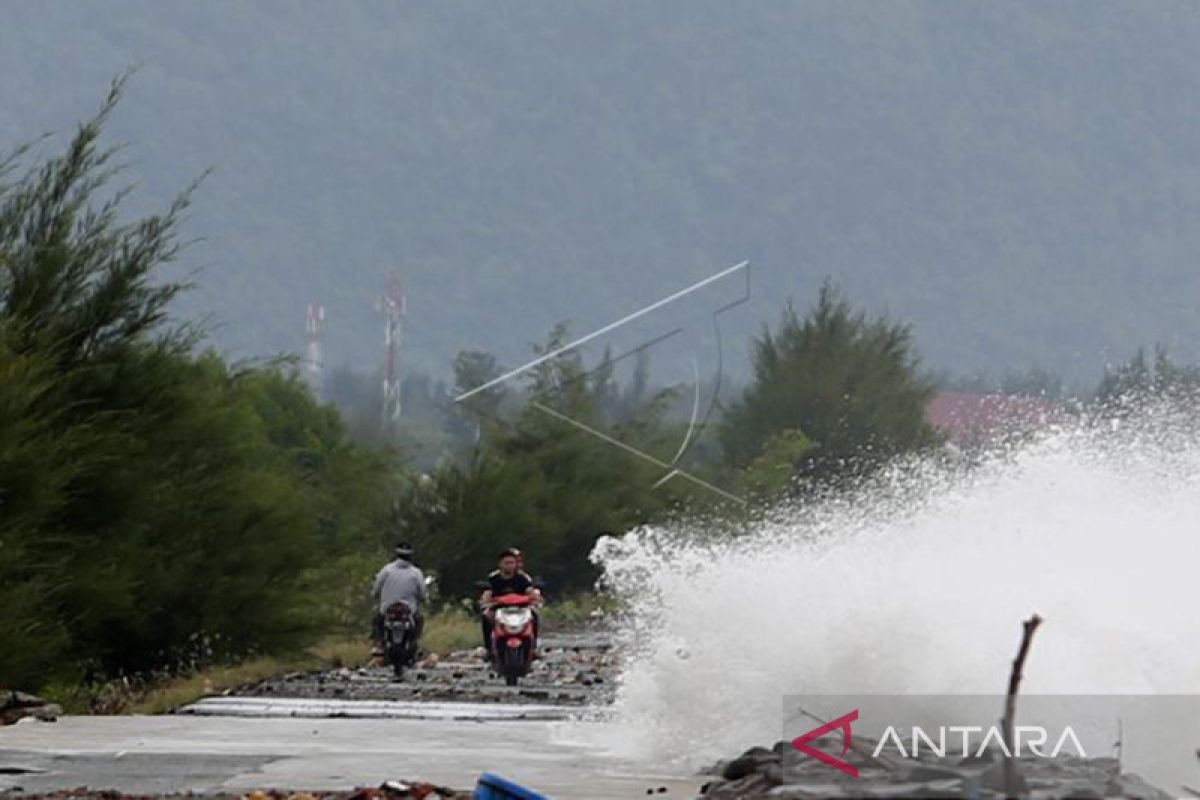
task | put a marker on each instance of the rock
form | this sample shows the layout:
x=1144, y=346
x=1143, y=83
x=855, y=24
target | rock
x=750, y=762
x=773, y=774
x=19, y=706
x=931, y=772
x=739, y=768
x=977, y=759
x=812, y=791
x=993, y=778
x=902, y=791
x=760, y=753
x=1076, y=789
x=1134, y=786
x=747, y=787
x=14, y=699
x=778, y=774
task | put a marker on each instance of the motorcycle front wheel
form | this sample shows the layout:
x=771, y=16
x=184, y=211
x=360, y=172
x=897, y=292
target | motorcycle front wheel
x=514, y=663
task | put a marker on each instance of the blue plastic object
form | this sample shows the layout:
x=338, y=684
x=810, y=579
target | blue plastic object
x=493, y=787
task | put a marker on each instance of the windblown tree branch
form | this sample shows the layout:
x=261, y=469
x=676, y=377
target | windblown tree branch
x=78, y=280
x=158, y=507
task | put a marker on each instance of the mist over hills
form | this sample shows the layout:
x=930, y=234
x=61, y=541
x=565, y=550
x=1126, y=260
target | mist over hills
x=1018, y=180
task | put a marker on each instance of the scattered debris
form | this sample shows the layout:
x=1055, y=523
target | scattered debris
x=993, y=773
x=575, y=669
x=16, y=706
x=391, y=790
x=782, y=773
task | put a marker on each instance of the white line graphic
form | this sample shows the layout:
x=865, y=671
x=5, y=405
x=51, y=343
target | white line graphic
x=672, y=470
x=606, y=329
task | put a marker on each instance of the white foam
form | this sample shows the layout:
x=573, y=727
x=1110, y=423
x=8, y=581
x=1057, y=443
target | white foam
x=919, y=585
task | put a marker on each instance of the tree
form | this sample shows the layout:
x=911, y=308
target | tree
x=849, y=384
x=39, y=459
x=1141, y=380
x=540, y=479
x=480, y=411
x=158, y=506
x=772, y=475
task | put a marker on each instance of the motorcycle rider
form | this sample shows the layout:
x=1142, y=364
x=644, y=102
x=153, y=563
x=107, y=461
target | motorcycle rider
x=400, y=581
x=508, y=579
x=537, y=592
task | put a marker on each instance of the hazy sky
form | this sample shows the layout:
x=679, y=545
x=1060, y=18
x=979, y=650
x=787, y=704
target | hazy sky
x=1016, y=179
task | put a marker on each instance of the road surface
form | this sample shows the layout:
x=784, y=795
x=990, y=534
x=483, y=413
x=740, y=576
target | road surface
x=213, y=754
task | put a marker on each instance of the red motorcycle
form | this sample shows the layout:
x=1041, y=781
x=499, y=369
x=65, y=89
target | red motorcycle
x=514, y=636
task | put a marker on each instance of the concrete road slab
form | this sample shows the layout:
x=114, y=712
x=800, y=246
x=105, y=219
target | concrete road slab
x=212, y=754
x=375, y=709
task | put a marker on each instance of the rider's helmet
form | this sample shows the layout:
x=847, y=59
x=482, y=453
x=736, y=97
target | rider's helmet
x=404, y=550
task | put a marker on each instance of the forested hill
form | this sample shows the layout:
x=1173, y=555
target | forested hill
x=1017, y=179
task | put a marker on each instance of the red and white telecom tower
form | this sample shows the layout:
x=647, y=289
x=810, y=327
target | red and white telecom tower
x=313, y=365
x=392, y=306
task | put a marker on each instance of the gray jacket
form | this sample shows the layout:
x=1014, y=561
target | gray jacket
x=400, y=581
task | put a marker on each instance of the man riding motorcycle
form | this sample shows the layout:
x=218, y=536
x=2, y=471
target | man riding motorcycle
x=400, y=581
x=508, y=579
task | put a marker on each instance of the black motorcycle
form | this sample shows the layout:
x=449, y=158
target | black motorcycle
x=399, y=638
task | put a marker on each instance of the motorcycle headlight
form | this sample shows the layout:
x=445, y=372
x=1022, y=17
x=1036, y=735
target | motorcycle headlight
x=514, y=620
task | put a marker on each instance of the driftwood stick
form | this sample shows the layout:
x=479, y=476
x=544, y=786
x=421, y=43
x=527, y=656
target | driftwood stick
x=1010, y=705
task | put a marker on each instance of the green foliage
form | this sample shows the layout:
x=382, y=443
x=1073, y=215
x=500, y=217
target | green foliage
x=772, y=474
x=848, y=384
x=539, y=481
x=1141, y=380
x=38, y=460
x=158, y=508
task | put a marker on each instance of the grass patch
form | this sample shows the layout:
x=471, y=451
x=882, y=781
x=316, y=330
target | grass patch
x=330, y=653
x=446, y=630
x=576, y=610
x=450, y=629
x=161, y=693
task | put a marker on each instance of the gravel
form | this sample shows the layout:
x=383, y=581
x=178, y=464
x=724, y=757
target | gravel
x=575, y=669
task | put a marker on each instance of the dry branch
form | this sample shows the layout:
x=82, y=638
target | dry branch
x=1010, y=705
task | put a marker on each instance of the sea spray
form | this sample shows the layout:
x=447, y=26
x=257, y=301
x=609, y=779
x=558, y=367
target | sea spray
x=918, y=584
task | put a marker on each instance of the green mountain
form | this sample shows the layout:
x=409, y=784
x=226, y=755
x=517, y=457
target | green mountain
x=1018, y=179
